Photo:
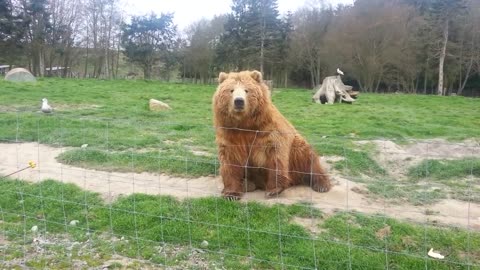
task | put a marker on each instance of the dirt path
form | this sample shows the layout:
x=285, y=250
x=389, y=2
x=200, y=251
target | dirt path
x=111, y=185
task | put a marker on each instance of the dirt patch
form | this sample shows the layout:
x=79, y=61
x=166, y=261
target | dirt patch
x=103, y=252
x=360, y=190
x=61, y=107
x=56, y=107
x=199, y=152
x=383, y=232
x=333, y=159
x=409, y=242
x=4, y=108
x=397, y=159
x=311, y=224
x=3, y=241
x=112, y=184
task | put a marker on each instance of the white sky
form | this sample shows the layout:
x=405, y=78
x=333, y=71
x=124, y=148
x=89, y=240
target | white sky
x=188, y=11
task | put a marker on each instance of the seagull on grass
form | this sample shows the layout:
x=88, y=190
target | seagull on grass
x=45, y=107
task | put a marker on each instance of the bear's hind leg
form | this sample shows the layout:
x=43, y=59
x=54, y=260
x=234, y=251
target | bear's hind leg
x=318, y=179
x=278, y=179
x=306, y=168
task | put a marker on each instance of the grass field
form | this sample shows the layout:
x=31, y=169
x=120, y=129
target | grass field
x=112, y=117
x=233, y=231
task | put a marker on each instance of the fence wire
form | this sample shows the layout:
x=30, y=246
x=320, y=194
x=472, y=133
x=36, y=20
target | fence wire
x=121, y=214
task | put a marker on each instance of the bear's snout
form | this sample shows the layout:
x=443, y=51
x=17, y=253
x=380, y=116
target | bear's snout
x=239, y=103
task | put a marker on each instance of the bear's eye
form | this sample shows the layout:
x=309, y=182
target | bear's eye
x=231, y=91
x=246, y=91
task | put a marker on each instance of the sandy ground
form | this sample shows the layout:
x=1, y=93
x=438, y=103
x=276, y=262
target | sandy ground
x=397, y=158
x=113, y=184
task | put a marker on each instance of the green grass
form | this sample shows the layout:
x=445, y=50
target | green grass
x=399, y=191
x=233, y=230
x=130, y=161
x=112, y=117
x=431, y=181
x=461, y=178
x=446, y=169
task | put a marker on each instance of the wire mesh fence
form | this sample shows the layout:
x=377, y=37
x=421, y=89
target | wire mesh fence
x=101, y=194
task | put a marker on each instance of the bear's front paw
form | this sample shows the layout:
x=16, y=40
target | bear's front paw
x=232, y=196
x=322, y=187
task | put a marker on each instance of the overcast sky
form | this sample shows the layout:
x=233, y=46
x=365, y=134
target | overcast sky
x=188, y=11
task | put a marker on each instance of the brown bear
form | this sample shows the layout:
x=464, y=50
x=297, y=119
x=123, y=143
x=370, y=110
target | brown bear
x=257, y=145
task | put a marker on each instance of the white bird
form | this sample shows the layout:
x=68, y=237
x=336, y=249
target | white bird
x=45, y=107
x=340, y=72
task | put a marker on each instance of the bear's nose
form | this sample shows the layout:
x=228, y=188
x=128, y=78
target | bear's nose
x=239, y=102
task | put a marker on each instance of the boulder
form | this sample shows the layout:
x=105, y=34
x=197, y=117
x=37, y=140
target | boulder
x=20, y=75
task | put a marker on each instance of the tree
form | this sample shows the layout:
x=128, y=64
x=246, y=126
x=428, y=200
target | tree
x=102, y=36
x=264, y=30
x=65, y=25
x=252, y=35
x=202, y=39
x=467, y=40
x=148, y=40
x=374, y=41
x=12, y=33
x=312, y=24
x=441, y=14
x=284, y=52
x=37, y=17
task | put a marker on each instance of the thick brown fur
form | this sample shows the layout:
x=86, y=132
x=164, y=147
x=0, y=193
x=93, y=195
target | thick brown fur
x=257, y=144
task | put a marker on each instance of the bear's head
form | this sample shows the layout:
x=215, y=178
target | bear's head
x=240, y=95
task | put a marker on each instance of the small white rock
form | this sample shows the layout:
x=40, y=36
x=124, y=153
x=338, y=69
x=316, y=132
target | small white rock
x=157, y=105
x=34, y=229
x=74, y=222
x=435, y=255
x=84, y=145
x=204, y=244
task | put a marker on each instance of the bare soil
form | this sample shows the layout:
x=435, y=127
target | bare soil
x=396, y=158
x=344, y=196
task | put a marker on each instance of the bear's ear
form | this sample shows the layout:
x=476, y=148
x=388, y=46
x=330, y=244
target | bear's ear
x=257, y=76
x=222, y=77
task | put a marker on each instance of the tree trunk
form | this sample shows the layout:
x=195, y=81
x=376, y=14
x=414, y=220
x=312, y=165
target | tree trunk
x=262, y=44
x=443, y=54
x=470, y=65
x=467, y=75
x=361, y=85
x=416, y=82
x=425, y=79
x=378, y=82
x=107, y=67
x=147, y=73
x=118, y=59
x=312, y=75
x=286, y=78
x=41, y=62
